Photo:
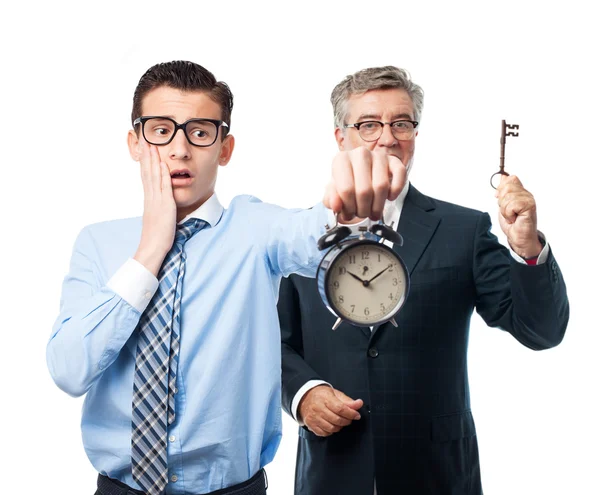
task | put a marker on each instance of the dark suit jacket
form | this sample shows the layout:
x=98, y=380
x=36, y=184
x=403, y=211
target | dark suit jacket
x=416, y=435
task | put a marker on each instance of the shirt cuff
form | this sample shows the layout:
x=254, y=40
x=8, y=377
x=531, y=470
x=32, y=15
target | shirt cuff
x=542, y=257
x=302, y=392
x=134, y=283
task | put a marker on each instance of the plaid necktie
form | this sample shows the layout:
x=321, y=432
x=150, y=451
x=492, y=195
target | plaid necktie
x=156, y=368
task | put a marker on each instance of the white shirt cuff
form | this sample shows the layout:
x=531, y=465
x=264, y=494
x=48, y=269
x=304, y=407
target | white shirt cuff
x=134, y=283
x=542, y=257
x=302, y=392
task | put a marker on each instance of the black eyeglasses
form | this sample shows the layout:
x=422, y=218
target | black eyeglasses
x=371, y=130
x=161, y=130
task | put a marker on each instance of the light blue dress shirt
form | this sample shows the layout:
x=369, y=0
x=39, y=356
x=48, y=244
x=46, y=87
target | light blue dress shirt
x=228, y=403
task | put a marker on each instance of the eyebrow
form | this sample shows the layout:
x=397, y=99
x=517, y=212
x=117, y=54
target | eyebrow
x=374, y=116
x=172, y=117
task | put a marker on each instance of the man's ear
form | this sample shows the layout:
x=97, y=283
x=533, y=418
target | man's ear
x=340, y=137
x=133, y=143
x=226, y=150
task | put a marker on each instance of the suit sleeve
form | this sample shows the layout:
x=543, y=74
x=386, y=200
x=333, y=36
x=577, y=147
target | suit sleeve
x=530, y=302
x=295, y=372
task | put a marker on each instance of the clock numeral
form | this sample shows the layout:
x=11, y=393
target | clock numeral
x=342, y=270
x=395, y=282
x=382, y=307
x=353, y=306
x=336, y=285
x=352, y=259
x=367, y=312
x=391, y=296
x=391, y=268
x=341, y=299
x=378, y=257
x=365, y=255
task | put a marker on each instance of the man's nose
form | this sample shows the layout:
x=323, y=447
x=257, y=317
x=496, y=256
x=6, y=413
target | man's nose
x=179, y=147
x=387, y=138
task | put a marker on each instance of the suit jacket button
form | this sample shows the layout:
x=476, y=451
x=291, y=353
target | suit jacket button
x=373, y=352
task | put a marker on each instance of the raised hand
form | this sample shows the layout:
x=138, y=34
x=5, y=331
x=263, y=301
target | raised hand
x=518, y=217
x=325, y=410
x=160, y=210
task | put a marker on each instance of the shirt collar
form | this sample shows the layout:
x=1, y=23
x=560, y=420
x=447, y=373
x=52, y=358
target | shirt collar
x=210, y=211
x=392, y=208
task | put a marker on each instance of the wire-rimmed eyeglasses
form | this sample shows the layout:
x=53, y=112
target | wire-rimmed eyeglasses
x=371, y=130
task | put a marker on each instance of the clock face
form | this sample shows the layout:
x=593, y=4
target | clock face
x=366, y=283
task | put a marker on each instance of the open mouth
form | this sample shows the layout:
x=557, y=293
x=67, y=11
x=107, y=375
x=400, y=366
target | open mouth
x=180, y=175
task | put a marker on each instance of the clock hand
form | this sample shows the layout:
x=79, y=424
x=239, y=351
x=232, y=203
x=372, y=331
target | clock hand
x=381, y=272
x=356, y=277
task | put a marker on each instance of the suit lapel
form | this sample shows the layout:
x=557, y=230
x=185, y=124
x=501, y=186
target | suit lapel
x=417, y=225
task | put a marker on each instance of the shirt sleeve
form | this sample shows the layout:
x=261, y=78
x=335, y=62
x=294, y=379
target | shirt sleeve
x=94, y=322
x=292, y=240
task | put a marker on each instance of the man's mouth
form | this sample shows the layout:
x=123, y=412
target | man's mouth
x=181, y=174
x=181, y=177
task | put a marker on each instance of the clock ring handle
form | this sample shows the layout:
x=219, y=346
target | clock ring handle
x=334, y=235
x=387, y=233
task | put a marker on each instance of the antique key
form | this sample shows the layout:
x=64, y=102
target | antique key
x=512, y=131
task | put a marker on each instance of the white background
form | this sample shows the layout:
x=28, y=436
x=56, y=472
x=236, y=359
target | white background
x=68, y=75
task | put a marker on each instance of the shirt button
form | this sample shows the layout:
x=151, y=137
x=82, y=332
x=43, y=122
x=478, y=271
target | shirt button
x=174, y=478
x=175, y=390
x=148, y=296
x=373, y=352
x=172, y=438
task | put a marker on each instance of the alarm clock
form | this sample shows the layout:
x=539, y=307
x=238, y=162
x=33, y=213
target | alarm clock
x=360, y=279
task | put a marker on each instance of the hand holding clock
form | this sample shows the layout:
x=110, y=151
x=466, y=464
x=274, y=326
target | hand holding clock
x=361, y=181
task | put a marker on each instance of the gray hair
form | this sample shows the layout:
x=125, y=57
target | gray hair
x=374, y=78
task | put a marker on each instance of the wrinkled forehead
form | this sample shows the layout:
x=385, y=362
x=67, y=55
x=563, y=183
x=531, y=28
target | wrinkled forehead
x=380, y=104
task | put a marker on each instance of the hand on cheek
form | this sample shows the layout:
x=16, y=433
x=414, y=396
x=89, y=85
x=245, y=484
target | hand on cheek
x=160, y=210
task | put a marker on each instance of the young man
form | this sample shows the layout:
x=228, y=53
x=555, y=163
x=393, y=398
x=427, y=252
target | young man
x=390, y=405
x=168, y=322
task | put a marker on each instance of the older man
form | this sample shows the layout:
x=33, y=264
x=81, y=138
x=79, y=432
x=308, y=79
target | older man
x=386, y=410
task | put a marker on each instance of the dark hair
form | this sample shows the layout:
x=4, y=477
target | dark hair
x=186, y=76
